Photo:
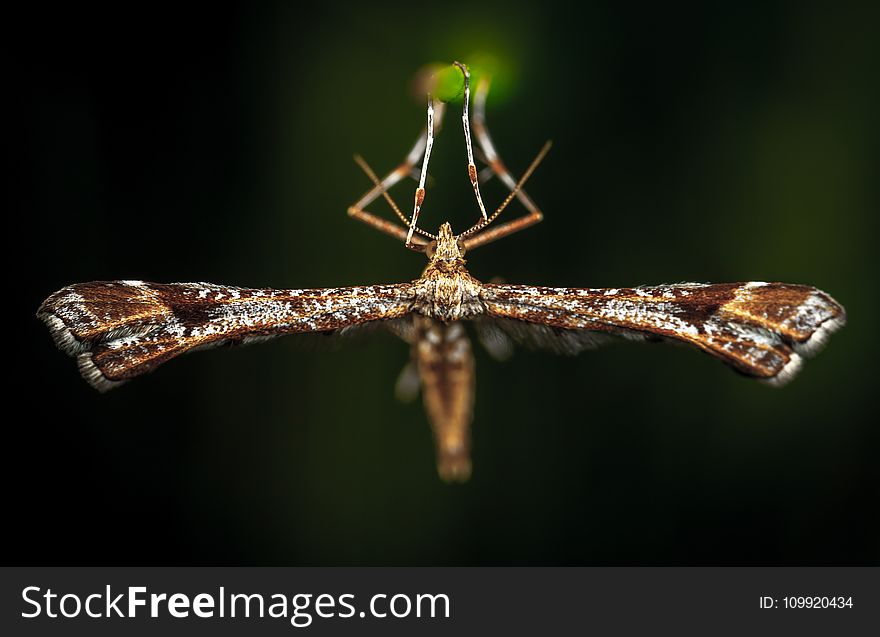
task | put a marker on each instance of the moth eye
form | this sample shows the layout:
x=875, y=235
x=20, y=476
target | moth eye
x=431, y=249
x=461, y=247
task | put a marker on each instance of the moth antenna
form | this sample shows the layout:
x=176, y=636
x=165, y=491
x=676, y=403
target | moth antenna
x=360, y=161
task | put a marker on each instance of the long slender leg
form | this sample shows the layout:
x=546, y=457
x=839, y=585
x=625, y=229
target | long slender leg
x=369, y=172
x=420, y=191
x=388, y=227
x=466, y=125
x=499, y=232
x=497, y=167
x=490, y=155
x=477, y=235
x=405, y=168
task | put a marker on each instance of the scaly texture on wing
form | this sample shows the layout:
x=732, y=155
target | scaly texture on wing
x=760, y=329
x=121, y=329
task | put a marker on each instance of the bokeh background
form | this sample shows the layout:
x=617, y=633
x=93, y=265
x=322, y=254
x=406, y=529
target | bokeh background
x=705, y=144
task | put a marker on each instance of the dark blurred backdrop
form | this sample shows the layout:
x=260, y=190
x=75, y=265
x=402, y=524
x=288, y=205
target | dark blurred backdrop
x=704, y=144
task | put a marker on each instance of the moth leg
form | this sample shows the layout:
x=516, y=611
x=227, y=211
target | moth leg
x=407, y=167
x=380, y=224
x=466, y=125
x=488, y=153
x=479, y=235
x=505, y=229
x=388, y=227
x=420, y=191
x=496, y=167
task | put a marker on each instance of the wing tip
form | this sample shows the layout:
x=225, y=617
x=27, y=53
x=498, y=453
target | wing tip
x=822, y=334
x=65, y=340
x=93, y=375
x=806, y=349
x=788, y=372
x=60, y=332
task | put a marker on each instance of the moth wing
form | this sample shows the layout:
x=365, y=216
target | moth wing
x=558, y=340
x=121, y=329
x=760, y=329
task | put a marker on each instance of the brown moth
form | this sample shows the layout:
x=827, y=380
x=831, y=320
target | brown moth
x=118, y=330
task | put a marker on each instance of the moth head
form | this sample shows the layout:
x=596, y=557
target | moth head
x=446, y=247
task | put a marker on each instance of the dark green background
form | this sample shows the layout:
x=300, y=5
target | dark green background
x=690, y=145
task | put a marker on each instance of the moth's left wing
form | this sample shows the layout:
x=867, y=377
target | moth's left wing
x=759, y=329
x=121, y=329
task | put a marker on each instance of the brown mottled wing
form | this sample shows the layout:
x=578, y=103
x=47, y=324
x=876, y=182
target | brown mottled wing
x=760, y=329
x=121, y=329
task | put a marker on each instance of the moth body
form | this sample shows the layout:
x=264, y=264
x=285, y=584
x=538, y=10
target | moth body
x=446, y=291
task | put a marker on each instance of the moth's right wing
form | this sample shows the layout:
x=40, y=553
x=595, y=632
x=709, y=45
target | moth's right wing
x=121, y=329
x=760, y=329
